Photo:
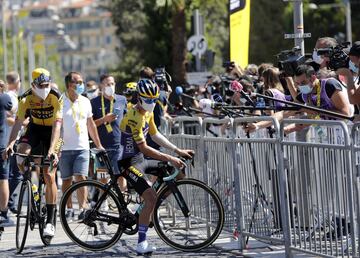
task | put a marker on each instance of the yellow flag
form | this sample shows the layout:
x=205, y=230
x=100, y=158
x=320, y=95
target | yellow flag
x=239, y=31
x=23, y=13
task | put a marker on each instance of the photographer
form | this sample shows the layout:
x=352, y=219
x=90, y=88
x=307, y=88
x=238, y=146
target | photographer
x=351, y=74
x=273, y=87
x=233, y=70
x=327, y=94
x=322, y=43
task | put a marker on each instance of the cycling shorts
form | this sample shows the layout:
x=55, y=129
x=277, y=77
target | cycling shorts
x=132, y=174
x=38, y=137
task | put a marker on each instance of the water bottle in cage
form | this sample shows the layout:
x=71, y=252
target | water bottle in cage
x=35, y=192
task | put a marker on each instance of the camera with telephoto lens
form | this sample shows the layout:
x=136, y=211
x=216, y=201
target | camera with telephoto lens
x=162, y=78
x=338, y=58
x=289, y=60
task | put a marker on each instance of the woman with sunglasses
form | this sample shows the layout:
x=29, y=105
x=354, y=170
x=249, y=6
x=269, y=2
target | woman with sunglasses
x=136, y=124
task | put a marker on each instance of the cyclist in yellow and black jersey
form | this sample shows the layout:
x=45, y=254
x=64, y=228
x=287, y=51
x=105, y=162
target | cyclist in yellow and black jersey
x=43, y=104
x=136, y=124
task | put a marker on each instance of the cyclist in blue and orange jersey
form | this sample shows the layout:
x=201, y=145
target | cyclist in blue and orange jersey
x=43, y=104
x=136, y=124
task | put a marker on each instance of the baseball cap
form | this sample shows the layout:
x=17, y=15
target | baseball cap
x=40, y=75
x=355, y=49
x=217, y=98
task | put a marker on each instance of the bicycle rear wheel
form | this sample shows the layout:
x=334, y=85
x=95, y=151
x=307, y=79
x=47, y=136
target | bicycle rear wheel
x=191, y=232
x=23, y=215
x=100, y=227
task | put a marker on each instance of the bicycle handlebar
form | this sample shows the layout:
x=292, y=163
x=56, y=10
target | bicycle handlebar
x=177, y=171
x=45, y=160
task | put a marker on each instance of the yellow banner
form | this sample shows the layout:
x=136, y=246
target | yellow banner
x=239, y=31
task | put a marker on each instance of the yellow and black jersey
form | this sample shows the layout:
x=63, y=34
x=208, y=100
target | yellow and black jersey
x=41, y=112
x=134, y=128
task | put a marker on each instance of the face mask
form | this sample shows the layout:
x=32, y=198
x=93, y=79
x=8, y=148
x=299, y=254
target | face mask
x=42, y=93
x=305, y=89
x=317, y=59
x=353, y=67
x=80, y=88
x=92, y=94
x=109, y=91
x=148, y=107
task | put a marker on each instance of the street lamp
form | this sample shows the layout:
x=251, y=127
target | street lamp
x=347, y=5
x=3, y=22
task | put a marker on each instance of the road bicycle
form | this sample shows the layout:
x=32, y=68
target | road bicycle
x=188, y=214
x=31, y=209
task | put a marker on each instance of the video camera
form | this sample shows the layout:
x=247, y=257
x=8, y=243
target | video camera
x=162, y=78
x=337, y=56
x=289, y=60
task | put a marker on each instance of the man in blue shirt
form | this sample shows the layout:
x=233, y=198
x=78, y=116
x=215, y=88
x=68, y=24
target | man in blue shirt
x=5, y=105
x=108, y=110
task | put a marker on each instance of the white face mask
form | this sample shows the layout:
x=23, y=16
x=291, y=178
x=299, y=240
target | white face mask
x=42, y=93
x=353, y=67
x=109, y=90
x=92, y=94
x=148, y=107
x=305, y=89
x=317, y=59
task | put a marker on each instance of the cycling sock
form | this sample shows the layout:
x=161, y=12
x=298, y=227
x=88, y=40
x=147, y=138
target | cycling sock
x=50, y=209
x=142, y=233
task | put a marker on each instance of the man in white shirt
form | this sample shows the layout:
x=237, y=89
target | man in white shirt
x=77, y=125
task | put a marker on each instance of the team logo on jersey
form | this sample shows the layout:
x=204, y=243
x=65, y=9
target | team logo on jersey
x=42, y=113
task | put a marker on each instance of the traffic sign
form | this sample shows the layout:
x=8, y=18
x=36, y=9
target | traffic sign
x=197, y=45
x=298, y=36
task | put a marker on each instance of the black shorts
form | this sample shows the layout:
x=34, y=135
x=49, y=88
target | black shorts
x=133, y=175
x=38, y=137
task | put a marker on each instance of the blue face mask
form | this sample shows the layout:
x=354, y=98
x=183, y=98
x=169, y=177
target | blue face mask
x=80, y=88
x=305, y=89
x=353, y=67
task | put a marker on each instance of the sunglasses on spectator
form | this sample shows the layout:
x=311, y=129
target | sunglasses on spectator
x=77, y=82
x=149, y=101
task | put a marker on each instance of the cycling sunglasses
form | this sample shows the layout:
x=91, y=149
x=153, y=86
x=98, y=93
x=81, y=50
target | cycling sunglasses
x=149, y=101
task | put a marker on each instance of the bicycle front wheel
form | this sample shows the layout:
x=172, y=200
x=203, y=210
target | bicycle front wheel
x=23, y=215
x=197, y=229
x=42, y=211
x=97, y=227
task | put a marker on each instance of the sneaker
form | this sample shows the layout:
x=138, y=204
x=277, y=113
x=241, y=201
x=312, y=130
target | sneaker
x=144, y=248
x=49, y=230
x=69, y=215
x=81, y=215
x=6, y=221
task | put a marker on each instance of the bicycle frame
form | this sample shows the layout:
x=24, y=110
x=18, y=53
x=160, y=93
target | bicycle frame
x=35, y=205
x=163, y=179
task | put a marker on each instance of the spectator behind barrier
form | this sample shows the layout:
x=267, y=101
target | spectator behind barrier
x=351, y=74
x=327, y=94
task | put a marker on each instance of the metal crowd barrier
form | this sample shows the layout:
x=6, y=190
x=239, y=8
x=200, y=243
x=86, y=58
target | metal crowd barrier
x=302, y=192
x=355, y=155
x=319, y=190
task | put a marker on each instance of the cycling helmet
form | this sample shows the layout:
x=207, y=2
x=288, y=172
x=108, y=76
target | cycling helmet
x=40, y=75
x=130, y=87
x=147, y=89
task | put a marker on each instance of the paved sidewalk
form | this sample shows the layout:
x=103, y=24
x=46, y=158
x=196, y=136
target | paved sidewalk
x=62, y=246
